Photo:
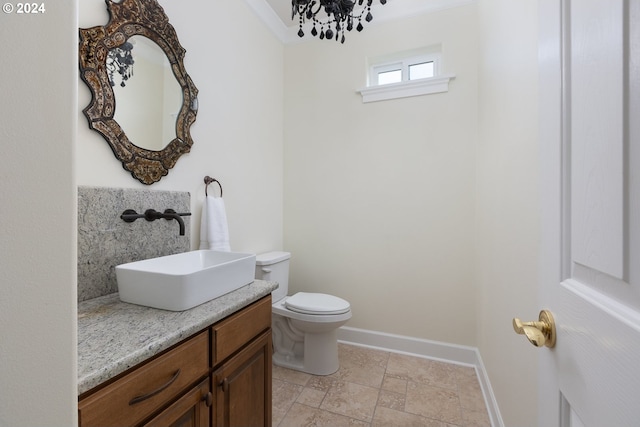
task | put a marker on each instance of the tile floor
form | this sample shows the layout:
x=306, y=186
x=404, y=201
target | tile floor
x=379, y=388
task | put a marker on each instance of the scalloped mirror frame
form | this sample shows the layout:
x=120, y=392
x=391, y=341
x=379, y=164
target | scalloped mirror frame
x=128, y=18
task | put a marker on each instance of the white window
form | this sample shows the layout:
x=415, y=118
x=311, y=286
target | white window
x=414, y=68
x=403, y=74
x=384, y=77
x=422, y=70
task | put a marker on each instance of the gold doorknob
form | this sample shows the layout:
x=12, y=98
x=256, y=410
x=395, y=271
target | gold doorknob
x=542, y=332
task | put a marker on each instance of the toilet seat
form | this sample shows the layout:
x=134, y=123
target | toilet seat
x=316, y=303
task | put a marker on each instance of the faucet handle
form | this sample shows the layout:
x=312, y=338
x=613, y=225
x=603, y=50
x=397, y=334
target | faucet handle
x=171, y=211
x=130, y=215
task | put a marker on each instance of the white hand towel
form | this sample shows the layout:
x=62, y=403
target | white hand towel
x=214, y=232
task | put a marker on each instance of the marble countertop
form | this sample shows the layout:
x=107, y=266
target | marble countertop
x=114, y=336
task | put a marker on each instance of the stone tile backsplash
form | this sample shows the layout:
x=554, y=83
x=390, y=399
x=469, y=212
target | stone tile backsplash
x=105, y=240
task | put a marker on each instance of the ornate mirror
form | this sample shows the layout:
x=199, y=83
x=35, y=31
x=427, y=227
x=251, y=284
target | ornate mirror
x=143, y=102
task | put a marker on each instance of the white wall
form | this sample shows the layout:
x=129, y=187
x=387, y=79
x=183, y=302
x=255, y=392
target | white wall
x=507, y=226
x=379, y=197
x=236, y=64
x=38, y=235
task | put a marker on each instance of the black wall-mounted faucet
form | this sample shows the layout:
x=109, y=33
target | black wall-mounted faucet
x=151, y=215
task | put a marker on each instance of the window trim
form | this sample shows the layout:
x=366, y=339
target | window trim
x=405, y=89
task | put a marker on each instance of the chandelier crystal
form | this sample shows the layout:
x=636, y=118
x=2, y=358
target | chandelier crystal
x=339, y=16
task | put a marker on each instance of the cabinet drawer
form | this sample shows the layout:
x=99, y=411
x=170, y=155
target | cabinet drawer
x=137, y=395
x=240, y=328
x=192, y=409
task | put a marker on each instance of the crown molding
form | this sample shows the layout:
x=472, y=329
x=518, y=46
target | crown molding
x=270, y=18
x=287, y=34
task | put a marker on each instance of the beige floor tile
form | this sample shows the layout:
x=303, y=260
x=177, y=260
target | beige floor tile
x=462, y=371
x=350, y=399
x=385, y=417
x=284, y=394
x=302, y=416
x=470, y=394
x=396, y=385
x=290, y=375
x=381, y=389
x=361, y=365
x=363, y=356
x=475, y=418
x=391, y=400
x=422, y=371
x=369, y=376
x=433, y=402
x=323, y=383
x=311, y=397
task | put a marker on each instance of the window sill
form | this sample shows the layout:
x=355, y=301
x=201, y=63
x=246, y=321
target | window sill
x=427, y=86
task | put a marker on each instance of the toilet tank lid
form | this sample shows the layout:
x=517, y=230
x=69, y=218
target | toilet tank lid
x=272, y=257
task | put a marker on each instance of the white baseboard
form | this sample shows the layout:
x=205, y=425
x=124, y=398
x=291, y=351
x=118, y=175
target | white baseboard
x=435, y=350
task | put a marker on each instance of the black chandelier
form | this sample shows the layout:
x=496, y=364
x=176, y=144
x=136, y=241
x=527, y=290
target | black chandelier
x=339, y=15
x=119, y=59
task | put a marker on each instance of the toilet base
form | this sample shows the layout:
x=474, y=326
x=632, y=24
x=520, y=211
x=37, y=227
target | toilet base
x=315, y=353
x=320, y=355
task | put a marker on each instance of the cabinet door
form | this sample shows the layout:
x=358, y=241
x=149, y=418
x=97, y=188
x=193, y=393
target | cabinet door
x=243, y=386
x=191, y=410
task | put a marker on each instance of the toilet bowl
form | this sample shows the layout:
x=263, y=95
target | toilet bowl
x=305, y=324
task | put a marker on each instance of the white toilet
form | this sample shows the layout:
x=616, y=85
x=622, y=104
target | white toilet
x=304, y=325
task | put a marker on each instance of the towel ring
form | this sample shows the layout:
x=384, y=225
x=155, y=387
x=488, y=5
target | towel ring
x=208, y=180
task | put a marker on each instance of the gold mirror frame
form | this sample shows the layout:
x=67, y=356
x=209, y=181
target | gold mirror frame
x=128, y=18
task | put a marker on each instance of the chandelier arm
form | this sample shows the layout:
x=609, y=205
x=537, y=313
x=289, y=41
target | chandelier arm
x=317, y=10
x=303, y=10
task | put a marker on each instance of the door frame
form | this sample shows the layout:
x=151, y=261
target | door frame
x=552, y=93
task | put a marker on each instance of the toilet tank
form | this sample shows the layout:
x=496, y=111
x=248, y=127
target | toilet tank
x=274, y=267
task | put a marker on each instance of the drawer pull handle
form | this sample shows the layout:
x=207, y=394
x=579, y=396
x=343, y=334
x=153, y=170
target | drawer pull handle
x=153, y=393
x=224, y=384
x=208, y=399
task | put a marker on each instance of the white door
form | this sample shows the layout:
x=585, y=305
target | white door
x=590, y=263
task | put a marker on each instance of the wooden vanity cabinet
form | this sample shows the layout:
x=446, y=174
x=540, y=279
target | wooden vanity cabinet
x=243, y=395
x=218, y=377
x=242, y=373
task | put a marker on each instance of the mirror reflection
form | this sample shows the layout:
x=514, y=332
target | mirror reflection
x=147, y=94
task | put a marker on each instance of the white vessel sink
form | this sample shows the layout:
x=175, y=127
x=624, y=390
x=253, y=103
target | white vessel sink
x=182, y=281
